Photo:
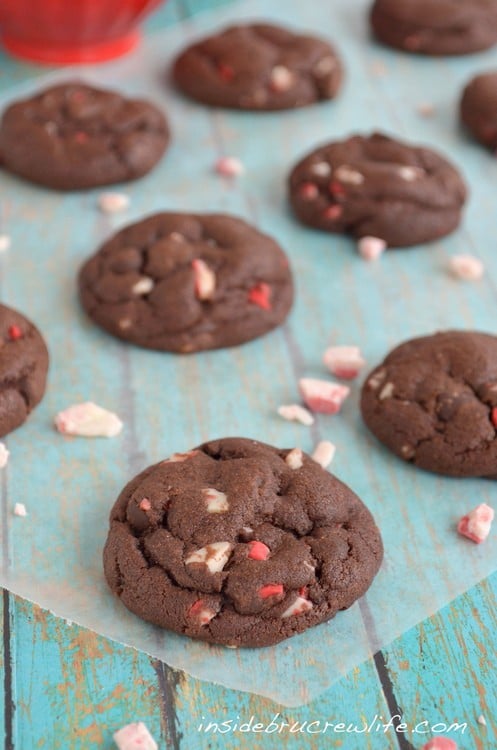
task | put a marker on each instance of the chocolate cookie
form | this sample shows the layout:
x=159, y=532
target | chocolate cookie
x=258, y=66
x=380, y=187
x=433, y=401
x=74, y=136
x=239, y=543
x=186, y=282
x=479, y=108
x=23, y=369
x=436, y=27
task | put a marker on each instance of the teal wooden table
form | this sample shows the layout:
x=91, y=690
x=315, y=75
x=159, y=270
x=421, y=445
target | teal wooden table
x=65, y=687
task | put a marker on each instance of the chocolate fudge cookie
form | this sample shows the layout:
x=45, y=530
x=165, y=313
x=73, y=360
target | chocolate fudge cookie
x=258, y=67
x=380, y=187
x=436, y=27
x=239, y=543
x=433, y=401
x=23, y=369
x=479, y=108
x=185, y=282
x=74, y=136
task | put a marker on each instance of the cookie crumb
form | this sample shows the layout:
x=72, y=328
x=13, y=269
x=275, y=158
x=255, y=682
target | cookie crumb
x=477, y=523
x=113, y=203
x=481, y=720
x=88, y=420
x=370, y=248
x=324, y=453
x=134, y=737
x=4, y=455
x=344, y=361
x=296, y=413
x=20, y=510
x=229, y=166
x=323, y=396
x=4, y=243
x=466, y=267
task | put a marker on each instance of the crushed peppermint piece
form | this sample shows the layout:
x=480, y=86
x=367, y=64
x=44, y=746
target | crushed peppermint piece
x=15, y=333
x=296, y=413
x=426, y=109
x=260, y=295
x=333, y=212
x=229, y=166
x=4, y=455
x=386, y=391
x=347, y=174
x=324, y=66
x=180, y=457
x=20, y=510
x=323, y=396
x=88, y=420
x=134, y=737
x=370, y=248
x=440, y=743
x=113, y=203
x=477, y=523
x=271, y=589
x=481, y=720
x=216, y=502
x=344, y=361
x=281, y=79
x=299, y=606
x=201, y=612
x=377, y=379
x=320, y=169
x=125, y=323
x=409, y=174
x=493, y=417
x=226, y=72
x=145, y=504
x=466, y=267
x=4, y=243
x=308, y=191
x=205, y=279
x=324, y=453
x=143, y=286
x=80, y=136
x=294, y=459
x=258, y=551
x=337, y=190
x=214, y=556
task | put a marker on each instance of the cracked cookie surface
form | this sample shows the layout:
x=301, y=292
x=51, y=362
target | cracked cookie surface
x=259, y=67
x=433, y=402
x=479, y=108
x=239, y=543
x=186, y=282
x=436, y=27
x=73, y=136
x=378, y=186
x=23, y=369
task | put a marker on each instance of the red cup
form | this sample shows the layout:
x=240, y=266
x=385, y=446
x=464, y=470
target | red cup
x=71, y=31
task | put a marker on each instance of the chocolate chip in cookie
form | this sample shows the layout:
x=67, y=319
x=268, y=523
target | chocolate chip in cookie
x=23, y=369
x=259, y=67
x=73, y=136
x=376, y=186
x=186, y=282
x=433, y=402
x=238, y=543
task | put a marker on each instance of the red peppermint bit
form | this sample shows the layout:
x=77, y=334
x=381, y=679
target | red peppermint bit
x=260, y=295
x=145, y=504
x=333, y=212
x=226, y=72
x=303, y=592
x=271, y=589
x=308, y=191
x=258, y=551
x=81, y=137
x=337, y=189
x=494, y=417
x=15, y=333
x=196, y=608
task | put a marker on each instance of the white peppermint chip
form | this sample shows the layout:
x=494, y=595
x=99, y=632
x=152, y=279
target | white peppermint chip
x=113, y=203
x=217, y=502
x=20, y=510
x=409, y=174
x=134, y=737
x=281, y=78
x=205, y=279
x=180, y=457
x=88, y=420
x=386, y=391
x=4, y=242
x=296, y=413
x=481, y=720
x=377, y=379
x=215, y=556
x=229, y=166
x=320, y=169
x=348, y=175
x=370, y=248
x=299, y=606
x=143, y=286
x=324, y=453
x=294, y=459
x=466, y=267
x=324, y=66
x=4, y=455
x=344, y=361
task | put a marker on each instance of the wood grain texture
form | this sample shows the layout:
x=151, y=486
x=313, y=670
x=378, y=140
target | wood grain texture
x=65, y=680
